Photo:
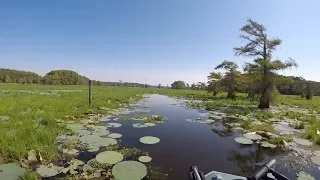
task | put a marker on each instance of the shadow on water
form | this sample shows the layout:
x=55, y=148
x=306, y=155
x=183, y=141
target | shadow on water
x=183, y=144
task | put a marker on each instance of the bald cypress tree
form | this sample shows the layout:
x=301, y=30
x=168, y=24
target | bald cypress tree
x=261, y=47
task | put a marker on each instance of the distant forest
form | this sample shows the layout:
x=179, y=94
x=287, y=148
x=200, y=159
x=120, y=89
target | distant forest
x=55, y=77
x=290, y=85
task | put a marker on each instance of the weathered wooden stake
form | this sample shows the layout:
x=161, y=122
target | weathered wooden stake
x=90, y=92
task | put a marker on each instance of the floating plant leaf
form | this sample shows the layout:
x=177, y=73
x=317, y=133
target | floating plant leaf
x=303, y=142
x=114, y=125
x=83, y=132
x=304, y=176
x=252, y=136
x=101, y=132
x=215, y=117
x=149, y=140
x=203, y=114
x=202, y=122
x=86, y=168
x=74, y=163
x=73, y=152
x=98, y=141
x=208, y=121
x=243, y=140
x=268, y=145
x=109, y=157
x=11, y=171
x=316, y=160
x=139, y=125
x=75, y=127
x=129, y=170
x=115, y=135
x=93, y=148
x=45, y=171
x=145, y=159
x=149, y=124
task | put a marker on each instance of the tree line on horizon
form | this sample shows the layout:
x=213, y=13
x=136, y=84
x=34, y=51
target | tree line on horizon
x=58, y=77
x=260, y=76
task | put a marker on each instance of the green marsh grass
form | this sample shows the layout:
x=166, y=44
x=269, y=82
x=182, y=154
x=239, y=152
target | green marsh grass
x=32, y=117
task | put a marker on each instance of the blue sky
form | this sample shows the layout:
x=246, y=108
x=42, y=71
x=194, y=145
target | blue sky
x=149, y=40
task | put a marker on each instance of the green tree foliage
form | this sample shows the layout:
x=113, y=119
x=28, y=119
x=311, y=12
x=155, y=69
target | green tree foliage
x=230, y=77
x=64, y=77
x=214, y=80
x=178, y=85
x=15, y=76
x=309, y=94
x=261, y=47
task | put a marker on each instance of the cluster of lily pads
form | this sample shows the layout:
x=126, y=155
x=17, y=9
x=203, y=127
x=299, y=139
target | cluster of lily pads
x=249, y=138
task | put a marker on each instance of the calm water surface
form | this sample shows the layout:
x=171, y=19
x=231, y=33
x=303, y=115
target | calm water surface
x=183, y=143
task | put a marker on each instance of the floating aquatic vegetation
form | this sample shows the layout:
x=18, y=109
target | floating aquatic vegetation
x=83, y=132
x=93, y=148
x=149, y=124
x=11, y=171
x=115, y=135
x=145, y=159
x=208, y=121
x=304, y=176
x=139, y=125
x=73, y=152
x=100, y=132
x=109, y=157
x=204, y=114
x=114, y=125
x=73, y=166
x=316, y=160
x=32, y=155
x=87, y=168
x=63, y=138
x=243, y=140
x=202, y=122
x=303, y=142
x=75, y=127
x=149, y=140
x=253, y=136
x=45, y=171
x=198, y=118
x=93, y=140
x=129, y=170
x=215, y=117
x=268, y=145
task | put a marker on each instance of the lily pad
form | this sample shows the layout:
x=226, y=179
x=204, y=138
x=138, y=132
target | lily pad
x=93, y=148
x=75, y=127
x=83, y=132
x=253, y=136
x=208, y=121
x=145, y=159
x=101, y=132
x=45, y=171
x=243, y=140
x=129, y=170
x=11, y=171
x=304, y=176
x=215, y=117
x=316, y=160
x=149, y=124
x=109, y=157
x=114, y=125
x=149, y=140
x=139, y=125
x=73, y=152
x=87, y=168
x=268, y=145
x=202, y=122
x=115, y=135
x=93, y=140
x=303, y=142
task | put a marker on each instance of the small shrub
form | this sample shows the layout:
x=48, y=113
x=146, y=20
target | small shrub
x=263, y=115
x=30, y=175
x=262, y=127
x=311, y=132
x=279, y=141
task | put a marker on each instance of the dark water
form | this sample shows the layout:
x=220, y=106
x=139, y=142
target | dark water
x=183, y=143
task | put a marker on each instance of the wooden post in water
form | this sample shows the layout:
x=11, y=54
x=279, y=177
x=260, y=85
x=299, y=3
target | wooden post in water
x=90, y=92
